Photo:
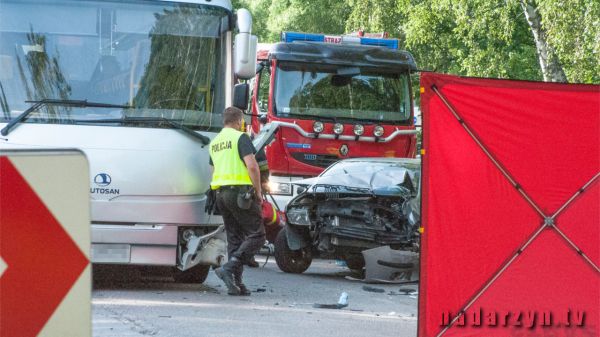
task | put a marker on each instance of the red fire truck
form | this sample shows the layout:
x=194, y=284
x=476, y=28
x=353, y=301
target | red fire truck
x=339, y=97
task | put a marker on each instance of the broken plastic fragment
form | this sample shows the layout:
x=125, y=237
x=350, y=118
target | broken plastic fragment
x=342, y=303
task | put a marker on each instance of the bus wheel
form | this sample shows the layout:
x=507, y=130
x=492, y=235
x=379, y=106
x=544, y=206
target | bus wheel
x=197, y=274
x=291, y=261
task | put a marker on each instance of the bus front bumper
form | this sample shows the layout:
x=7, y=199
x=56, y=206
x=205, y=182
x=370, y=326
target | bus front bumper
x=156, y=244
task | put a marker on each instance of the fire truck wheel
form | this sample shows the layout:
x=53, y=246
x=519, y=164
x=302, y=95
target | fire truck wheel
x=197, y=274
x=291, y=261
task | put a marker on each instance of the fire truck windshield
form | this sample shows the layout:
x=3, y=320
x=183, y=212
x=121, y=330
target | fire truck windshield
x=316, y=90
x=164, y=60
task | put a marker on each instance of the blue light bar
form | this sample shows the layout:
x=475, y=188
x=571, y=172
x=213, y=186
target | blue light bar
x=366, y=41
x=291, y=37
x=388, y=43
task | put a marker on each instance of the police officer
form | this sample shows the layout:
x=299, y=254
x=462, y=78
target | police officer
x=236, y=178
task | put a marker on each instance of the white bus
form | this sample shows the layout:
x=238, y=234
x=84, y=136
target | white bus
x=139, y=86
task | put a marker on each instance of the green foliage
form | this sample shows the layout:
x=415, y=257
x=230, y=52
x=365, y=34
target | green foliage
x=573, y=29
x=271, y=17
x=489, y=38
x=466, y=37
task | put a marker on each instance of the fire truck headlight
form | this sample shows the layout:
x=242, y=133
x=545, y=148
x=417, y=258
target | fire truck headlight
x=359, y=129
x=280, y=188
x=318, y=127
x=378, y=131
x=338, y=128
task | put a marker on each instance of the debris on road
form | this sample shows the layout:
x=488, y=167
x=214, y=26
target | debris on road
x=341, y=263
x=342, y=303
x=407, y=291
x=373, y=289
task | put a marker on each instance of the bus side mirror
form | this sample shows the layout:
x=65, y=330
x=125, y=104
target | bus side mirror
x=240, y=96
x=244, y=60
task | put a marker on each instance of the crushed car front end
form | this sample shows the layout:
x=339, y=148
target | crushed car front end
x=357, y=205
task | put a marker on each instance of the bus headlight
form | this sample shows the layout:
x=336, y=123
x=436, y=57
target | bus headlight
x=298, y=216
x=359, y=129
x=338, y=128
x=318, y=127
x=280, y=188
x=378, y=131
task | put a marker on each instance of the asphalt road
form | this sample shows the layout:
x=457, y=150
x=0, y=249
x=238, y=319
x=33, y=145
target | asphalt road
x=128, y=302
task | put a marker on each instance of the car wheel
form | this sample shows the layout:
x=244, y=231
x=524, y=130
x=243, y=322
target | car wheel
x=291, y=261
x=197, y=274
x=355, y=262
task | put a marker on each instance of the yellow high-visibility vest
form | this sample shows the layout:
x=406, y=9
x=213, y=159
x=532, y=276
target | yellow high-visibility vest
x=230, y=169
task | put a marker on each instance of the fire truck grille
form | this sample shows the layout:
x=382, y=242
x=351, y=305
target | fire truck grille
x=320, y=160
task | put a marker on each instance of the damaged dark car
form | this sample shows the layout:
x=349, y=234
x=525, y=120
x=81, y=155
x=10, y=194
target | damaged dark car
x=354, y=205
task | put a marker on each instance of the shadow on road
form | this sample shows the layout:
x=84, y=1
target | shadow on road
x=106, y=277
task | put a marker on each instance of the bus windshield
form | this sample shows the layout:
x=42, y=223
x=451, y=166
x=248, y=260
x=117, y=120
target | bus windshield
x=164, y=60
x=318, y=90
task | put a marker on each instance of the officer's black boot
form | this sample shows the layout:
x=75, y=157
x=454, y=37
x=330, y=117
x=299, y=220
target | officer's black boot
x=226, y=274
x=238, y=282
x=251, y=262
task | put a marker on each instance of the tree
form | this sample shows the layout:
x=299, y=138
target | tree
x=572, y=29
x=551, y=68
x=260, y=16
x=271, y=17
x=314, y=16
x=466, y=37
x=553, y=40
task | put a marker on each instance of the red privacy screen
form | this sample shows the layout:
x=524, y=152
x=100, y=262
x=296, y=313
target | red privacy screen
x=511, y=197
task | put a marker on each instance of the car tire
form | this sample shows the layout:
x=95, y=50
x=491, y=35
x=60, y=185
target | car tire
x=197, y=274
x=291, y=261
x=355, y=262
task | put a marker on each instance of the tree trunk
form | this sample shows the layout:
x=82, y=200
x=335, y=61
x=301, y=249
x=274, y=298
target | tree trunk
x=551, y=68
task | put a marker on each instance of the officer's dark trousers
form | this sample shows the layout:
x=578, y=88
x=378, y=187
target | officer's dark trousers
x=244, y=227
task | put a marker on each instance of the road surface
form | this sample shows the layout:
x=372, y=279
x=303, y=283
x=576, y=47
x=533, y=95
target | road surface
x=128, y=303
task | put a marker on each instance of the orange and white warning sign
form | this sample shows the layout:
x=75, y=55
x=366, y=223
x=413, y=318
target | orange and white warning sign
x=45, y=275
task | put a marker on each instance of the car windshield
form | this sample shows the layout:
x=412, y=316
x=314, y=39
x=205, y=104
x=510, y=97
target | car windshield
x=166, y=60
x=304, y=90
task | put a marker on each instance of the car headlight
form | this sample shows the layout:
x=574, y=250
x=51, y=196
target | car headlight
x=318, y=127
x=298, y=216
x=359, y=129
x=338, y=128
x=378, y=131
x=280, y=188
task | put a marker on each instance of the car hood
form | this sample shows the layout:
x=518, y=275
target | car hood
x=388, y=181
